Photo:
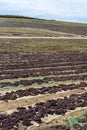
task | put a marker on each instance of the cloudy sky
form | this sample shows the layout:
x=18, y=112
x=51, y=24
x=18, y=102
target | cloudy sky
x=63, y=10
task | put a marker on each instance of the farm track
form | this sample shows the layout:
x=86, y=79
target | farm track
x=62, y=37
x=68, y=70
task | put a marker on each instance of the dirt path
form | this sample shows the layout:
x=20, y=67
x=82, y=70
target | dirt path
x=19, y=37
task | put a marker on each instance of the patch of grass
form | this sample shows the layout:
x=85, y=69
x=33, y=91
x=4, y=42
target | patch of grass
x=8, y=87
x=41, y=45
x=75, y=120
x=19, y=86
x=35, y=78
x=28, y=78
x=51, y=81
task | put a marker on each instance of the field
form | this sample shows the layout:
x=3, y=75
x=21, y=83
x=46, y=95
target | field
x=43, y=82
x=71, y=28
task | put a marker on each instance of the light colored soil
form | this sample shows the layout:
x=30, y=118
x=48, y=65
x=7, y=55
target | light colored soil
x=23, y=37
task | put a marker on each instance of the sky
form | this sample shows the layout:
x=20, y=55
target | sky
x=61, y=10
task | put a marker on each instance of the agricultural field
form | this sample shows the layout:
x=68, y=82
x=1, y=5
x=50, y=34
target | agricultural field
x=66, y=27
x=43, y=82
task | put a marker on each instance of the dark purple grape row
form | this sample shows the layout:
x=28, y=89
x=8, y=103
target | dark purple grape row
x=26, y=60
x=40, y=110
x=43, y=90
x=10, y=74
x=38, y=81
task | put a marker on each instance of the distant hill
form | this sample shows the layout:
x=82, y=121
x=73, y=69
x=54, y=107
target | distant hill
x=28, y=22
